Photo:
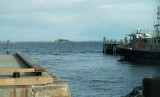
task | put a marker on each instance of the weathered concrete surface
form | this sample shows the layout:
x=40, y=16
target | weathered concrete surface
x=57, y=89
x=16, y=91
x=11, y=61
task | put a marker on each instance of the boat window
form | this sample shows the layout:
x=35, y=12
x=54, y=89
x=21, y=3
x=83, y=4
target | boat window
x=155, y=41
x=158, y=41
x=144, y=40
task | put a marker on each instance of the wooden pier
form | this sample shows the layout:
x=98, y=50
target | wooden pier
x=110, y=49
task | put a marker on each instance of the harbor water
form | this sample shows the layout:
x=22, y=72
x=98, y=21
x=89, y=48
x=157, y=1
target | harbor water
x=87, y=71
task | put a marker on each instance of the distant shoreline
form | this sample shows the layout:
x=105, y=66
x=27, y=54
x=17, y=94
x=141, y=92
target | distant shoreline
x=44, y=41
x=29, y=41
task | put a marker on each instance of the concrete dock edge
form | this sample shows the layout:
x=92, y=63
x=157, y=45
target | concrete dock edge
x=58, y=89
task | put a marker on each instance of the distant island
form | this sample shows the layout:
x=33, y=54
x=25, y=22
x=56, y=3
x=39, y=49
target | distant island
x=58, y=40
x=63, y=40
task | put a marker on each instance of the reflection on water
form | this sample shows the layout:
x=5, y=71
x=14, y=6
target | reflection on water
x=87, y=71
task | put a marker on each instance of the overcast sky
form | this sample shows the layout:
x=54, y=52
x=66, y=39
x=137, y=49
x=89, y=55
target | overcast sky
x=47, y=20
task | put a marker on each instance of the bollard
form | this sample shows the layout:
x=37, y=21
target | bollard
x=8, y=47
x=151, y=87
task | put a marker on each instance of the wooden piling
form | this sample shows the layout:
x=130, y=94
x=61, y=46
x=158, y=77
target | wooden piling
x=8, y=47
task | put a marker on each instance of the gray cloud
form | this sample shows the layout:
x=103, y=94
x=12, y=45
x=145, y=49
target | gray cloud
x=73, y=19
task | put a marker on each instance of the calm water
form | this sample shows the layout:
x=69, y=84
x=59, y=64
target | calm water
x=87, y=71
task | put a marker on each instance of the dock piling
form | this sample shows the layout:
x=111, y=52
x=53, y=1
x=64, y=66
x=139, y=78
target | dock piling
x=8, y=47
x=114, y=50
x=104, y=42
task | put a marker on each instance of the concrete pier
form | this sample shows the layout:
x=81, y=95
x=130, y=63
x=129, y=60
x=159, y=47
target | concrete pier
x=29, y=84
x=57, y=89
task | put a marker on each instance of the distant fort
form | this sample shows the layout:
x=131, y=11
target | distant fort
x=58, y=40
x=63, y=40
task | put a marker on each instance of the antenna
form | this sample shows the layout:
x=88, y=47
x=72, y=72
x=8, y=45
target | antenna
x=158, y=11
x=158, y=20
x=156, y=25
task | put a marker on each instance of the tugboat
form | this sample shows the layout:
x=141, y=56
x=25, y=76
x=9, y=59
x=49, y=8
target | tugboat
x=143, y=46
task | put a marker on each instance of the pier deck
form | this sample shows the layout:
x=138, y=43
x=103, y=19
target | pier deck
x=11, y=64
x=31, y=79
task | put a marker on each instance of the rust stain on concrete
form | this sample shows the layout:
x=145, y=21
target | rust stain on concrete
x=26, y=93
x=14, y=92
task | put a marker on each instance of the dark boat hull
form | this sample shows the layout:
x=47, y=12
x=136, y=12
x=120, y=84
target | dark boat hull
x=140, y=55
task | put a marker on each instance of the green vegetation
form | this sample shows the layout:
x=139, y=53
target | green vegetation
x=104, y=40
x=107, y=41
x=115, y=41
x=121, y=41
x=111, y=41
x=126, y=40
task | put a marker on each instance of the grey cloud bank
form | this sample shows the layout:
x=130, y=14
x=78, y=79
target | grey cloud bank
x=46, y=20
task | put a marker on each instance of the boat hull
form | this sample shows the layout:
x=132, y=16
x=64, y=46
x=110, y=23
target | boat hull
x=140, y=55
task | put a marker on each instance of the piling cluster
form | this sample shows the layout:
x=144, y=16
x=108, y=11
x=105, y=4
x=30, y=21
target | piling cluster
x=110, y=46
x=124, y=41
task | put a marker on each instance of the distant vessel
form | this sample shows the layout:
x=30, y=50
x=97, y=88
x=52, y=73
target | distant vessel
x=143, y=46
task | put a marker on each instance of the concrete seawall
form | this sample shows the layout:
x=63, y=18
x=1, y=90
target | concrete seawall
x=57, y=89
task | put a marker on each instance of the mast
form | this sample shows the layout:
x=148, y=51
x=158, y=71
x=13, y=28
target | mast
x=156, y=25
x=158, y=18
